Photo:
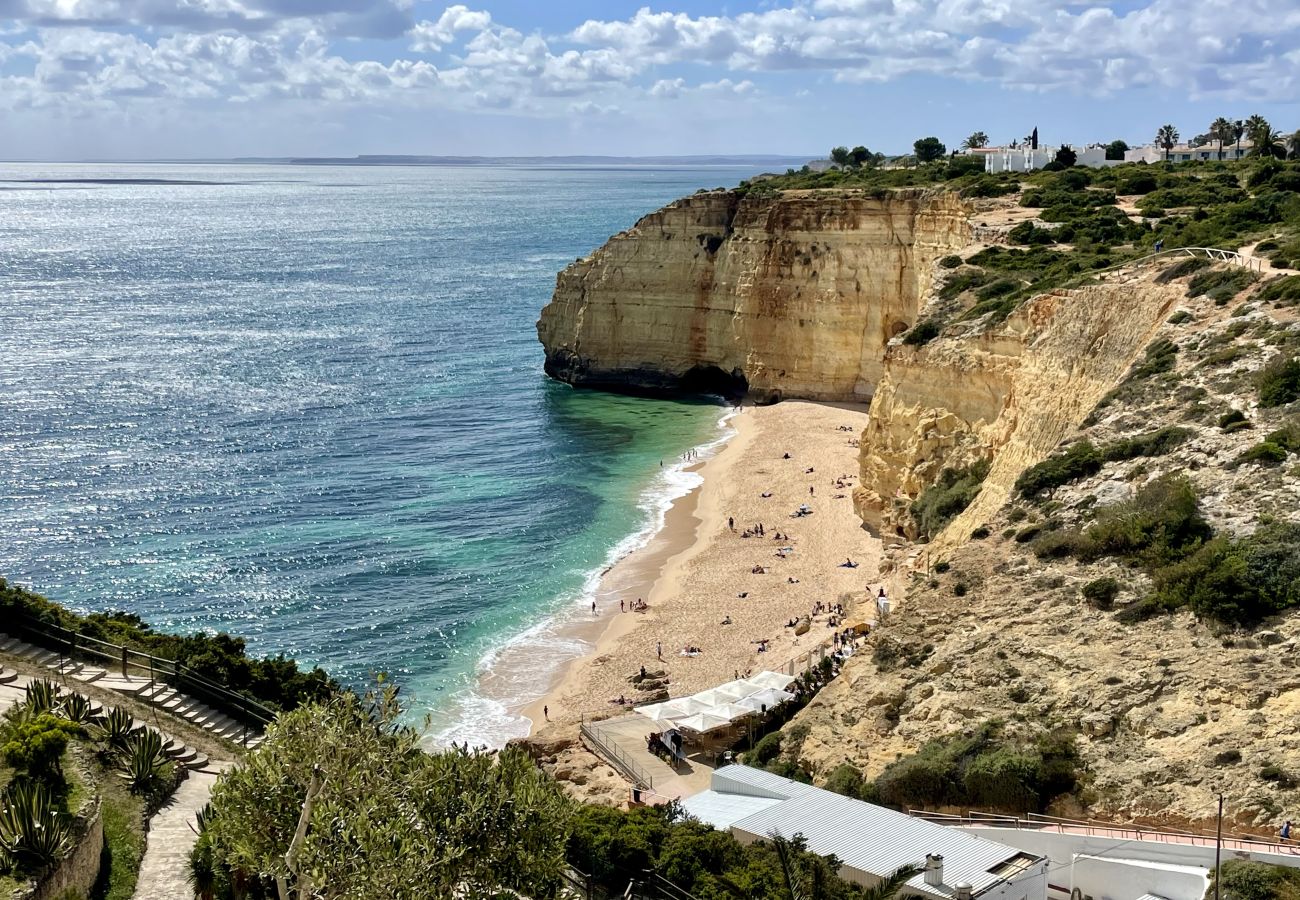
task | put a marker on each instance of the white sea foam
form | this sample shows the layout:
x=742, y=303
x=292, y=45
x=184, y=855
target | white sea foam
x=521, y=669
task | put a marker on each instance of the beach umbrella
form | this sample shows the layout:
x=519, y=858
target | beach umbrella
x=774, y=680
x=732, y=711
x=734, y=690
x=656, y=714
x=703, y=721
x=682, y=706
x=774, y=697
x=716, y=696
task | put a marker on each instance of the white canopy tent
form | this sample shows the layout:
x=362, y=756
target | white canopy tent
x=712, y=709
x=774, y=680
x=702, y=722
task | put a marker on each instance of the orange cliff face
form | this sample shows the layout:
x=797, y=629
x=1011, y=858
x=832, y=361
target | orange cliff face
x=790, y=296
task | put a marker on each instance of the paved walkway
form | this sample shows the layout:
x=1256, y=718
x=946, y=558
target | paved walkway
x=164, y=871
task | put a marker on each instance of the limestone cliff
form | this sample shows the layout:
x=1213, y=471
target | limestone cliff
x=1169, y=710
x=793, y=295
x=1009, y=394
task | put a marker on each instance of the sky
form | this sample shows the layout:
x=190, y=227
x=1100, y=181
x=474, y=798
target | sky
x=151, y=79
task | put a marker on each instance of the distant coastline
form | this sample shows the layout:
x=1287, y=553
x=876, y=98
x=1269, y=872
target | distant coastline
x=696, y=161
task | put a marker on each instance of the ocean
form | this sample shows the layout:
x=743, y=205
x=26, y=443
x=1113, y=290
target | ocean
x=306, y=406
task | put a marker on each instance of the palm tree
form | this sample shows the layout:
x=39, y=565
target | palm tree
x=1265, y=141
x=976, y=141
x=1293, y=146
x=888, y=888
x=1221, y=131
x=1238, y=129
x=1167, y=137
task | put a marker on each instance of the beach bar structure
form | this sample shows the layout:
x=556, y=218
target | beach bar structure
x=871, y=841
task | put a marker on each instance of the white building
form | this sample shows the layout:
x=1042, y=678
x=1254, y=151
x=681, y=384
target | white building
x=1027, y=159
x=1186, y=153
x=871, y=841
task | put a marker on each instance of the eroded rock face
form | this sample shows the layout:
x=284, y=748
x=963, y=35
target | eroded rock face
x=792, y=296
x=1010, y=395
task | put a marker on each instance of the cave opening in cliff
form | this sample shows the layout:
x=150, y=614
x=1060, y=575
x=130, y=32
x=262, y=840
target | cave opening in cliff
x=731, y=385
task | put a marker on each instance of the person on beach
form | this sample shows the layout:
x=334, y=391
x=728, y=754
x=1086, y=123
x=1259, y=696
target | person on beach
x=622, y=607
x=593, y=607
x=659, y=649
x=546, y=713
x=811, y=490
x=731, y=523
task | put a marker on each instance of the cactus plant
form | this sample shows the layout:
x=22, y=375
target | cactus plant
x=79, y=709
x=116, y=728
x=42, y=695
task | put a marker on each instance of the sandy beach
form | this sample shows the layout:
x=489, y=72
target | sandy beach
x=698, y=571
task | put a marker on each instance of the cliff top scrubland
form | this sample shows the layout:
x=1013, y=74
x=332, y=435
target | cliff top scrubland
x=1089, y=481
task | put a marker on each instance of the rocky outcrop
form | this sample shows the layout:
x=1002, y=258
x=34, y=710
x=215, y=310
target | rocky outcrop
x=793, y=295
x=1009, y=394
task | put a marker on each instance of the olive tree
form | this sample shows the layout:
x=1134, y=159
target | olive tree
x=340, y=801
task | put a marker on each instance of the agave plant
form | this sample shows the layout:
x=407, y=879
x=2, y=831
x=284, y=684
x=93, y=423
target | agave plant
x=143, y=760
x=116, y=728
x=42, y=696
x=33, y=834
x=79, y=709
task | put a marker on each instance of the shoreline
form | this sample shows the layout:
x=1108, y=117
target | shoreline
x=512, y=670
x=689, y=572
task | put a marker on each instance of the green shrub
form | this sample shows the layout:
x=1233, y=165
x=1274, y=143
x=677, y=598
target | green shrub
x=1221, y=283
x=275, y=681
x=966, y=280
x=923, y=332
x=1278, y=776
x=1279, y=382
x=1227, y=758
x=1265, y=453
x=1282, y=291
x=1160, y=357
x=1153, y=443
x=1028, y=533
x=951, y=261
x=1238, y=581
x=1080, y=460
x=980, y=533
x=942, y=566
x=766, y=749
x=1232, y=418
x=983, y=770
x=1101, y=592
x=847, y=779
x=1245, y=880
x=1161, y=524
x=940, y=503
x=998, y=288
x=35, y=743
x=1060, y=544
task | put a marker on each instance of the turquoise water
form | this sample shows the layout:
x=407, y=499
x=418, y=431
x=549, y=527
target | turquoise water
x=306, y=406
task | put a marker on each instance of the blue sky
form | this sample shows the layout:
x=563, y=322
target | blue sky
x=219, y=78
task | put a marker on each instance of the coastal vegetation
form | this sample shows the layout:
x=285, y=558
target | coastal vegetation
x=277, y=682
x=342, y=794
x=64, y=762
x=986, y=768
x=1161, y=530
x=951, y=493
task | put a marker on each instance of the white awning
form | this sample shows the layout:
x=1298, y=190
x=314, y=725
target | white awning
x=702, y=722
x=772, y=680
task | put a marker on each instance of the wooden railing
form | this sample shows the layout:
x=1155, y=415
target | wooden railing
x=73, y=645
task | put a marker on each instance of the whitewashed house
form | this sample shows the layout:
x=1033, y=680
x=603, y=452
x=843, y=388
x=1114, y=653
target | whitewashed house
x=1152, y=153
x=1027, y=159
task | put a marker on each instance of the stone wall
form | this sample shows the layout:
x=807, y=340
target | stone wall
x=77, y=873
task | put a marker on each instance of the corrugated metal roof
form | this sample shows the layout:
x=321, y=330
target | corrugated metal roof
x=722, y=810
x=866, y=837
x=739, y=779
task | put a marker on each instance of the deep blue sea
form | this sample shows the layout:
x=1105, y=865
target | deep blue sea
x=306, y=406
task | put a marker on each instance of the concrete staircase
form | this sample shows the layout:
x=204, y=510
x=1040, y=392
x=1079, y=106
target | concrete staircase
x=155, y=693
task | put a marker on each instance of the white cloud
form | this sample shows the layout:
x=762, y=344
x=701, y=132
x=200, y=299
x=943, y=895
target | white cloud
x=429, y=36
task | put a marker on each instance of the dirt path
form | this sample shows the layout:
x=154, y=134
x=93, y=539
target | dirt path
x=164, y=871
